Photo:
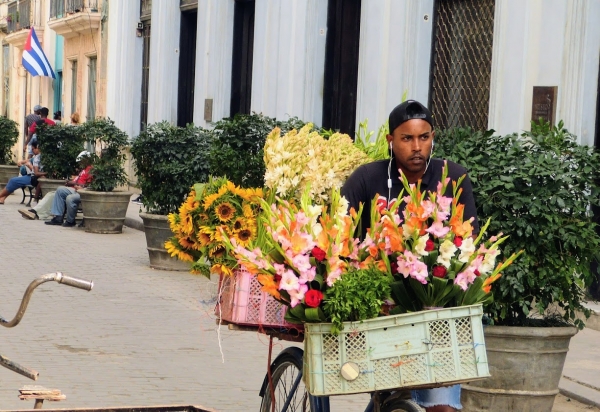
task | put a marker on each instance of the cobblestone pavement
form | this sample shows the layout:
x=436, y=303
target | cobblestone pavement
x=141, y=337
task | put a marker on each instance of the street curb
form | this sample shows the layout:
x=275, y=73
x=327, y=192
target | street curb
x=579, y=392
x=134, y=223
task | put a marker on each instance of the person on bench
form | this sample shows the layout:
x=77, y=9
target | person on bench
x=24, y=181
x=67, y=196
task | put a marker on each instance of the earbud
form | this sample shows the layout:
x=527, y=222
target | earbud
x=390, y=145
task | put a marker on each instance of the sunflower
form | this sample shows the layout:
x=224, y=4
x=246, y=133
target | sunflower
x=217, y=252
x=174, y=251
x=203, y=239
x=186, y=225
x=239, y=224
x=225, y=211
x=210, y=199
x=244, y=236
x=221, y=270
x=187, y=242
x=247, y=210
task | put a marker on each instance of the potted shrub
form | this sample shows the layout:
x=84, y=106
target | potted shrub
x=9, y=133
x=59, y=146
x=538, y=188
x=239, y=141
x=104, y=208
x=168, y=160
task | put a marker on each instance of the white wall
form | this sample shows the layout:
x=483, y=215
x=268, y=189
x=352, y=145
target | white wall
x=124, y=69
x=545, y=43
x=395, y=49
x=289, y=58
x=164, y=61
x=214, y=44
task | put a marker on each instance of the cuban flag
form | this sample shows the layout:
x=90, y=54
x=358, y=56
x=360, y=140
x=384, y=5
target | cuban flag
x=34, y=60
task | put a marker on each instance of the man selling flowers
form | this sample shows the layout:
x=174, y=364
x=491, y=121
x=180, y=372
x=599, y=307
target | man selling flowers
x=411, y=144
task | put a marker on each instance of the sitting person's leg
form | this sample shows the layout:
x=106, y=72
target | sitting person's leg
x=444, y=399
x=58, y=205
x=12, y=185
x=41, y=210
x=72, y=202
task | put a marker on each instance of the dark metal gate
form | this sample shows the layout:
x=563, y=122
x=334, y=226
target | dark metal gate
x=462, y=63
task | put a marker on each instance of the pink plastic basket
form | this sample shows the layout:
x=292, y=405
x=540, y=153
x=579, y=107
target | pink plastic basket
x=243, y=302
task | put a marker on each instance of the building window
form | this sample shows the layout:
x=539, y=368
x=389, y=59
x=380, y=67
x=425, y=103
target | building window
x=462, y=63
x=58, y=84
x=73, y=86
x=91, y=100
x=145, y=75
x=6, y=78
x=241, y=69
x=341, y=65
x=187, y=67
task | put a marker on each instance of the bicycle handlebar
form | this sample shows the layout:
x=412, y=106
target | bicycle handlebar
x=57, y=277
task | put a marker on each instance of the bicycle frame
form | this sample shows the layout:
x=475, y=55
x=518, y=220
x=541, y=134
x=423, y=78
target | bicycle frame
x=57, y=277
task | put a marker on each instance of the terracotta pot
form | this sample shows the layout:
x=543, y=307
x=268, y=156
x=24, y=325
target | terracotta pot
x=526, y=364
x=6, y=173
x=157, y=232
x=104, y=212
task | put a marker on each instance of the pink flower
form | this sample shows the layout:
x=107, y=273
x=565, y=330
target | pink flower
x=289, y=281
x=438, y=229
x=296, y=296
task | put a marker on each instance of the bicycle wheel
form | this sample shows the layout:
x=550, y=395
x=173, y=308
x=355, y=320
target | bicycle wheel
x=402, y=405
x=286, y=373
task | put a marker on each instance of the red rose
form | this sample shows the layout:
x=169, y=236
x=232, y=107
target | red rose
x=313, y=298
x=457, y=241
x=439, y=271
x=277, y=277
x=477, y=273
x=394, y=267
x=318, y=253
x=429, y=245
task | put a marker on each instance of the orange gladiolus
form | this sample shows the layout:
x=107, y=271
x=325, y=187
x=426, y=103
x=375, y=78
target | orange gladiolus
x=487, y=284
x=269, y=285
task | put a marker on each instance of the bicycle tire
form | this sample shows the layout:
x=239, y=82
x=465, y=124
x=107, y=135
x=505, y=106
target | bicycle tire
x=402, y=405
x=284, y=371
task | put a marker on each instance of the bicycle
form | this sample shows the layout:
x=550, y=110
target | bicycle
x=289, y=394
x=57, y=277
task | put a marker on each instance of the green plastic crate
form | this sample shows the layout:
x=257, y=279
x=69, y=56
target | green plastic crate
x=417, y=350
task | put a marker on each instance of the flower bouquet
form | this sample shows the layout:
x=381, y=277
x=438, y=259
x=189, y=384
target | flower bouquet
x=432, y=252
x=302, y=158
x=211, y=211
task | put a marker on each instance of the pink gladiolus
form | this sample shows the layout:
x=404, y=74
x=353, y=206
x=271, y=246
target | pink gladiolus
x=296, y=296
x=438, y=229
x=289, y=281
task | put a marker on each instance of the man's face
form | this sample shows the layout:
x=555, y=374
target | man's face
x=411, y=144
x=35, y=150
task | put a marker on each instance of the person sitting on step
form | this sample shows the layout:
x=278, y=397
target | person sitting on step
x=67, y=196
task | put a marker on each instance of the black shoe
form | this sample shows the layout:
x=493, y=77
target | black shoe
x=69, y=224
x=138, y=200
x=55, y=221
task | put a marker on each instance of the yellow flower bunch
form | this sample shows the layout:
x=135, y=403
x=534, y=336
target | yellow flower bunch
x=304, y=157
x=210, y=211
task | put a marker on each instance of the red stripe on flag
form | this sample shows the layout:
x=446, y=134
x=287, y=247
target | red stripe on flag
x=28, y=42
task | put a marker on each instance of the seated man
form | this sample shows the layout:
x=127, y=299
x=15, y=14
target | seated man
x=68, y=197
x=23, y=181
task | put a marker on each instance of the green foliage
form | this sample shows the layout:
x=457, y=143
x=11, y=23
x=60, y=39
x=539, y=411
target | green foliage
x=9, y=133
x=538, y=188
x=168, y=160
x=237, y=150
x=107, y=139
x=357, y=295
x=59, y=146
x=378, y=149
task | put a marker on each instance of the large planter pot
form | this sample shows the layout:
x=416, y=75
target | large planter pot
x=526, y=364
x=49, y=185
x=7, y=172
x=104, y=212
x=157, y=232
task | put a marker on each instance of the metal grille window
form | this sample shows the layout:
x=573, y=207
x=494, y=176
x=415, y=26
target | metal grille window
x=462, y=63
x=57, y=9
x=73, y=86
x=24, y=14
x=145, y=9
x=12, y=17
x=6, y=78
x=91, y=101
x=145, y=76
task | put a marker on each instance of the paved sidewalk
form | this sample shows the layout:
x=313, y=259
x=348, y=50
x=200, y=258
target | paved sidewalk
x=145, y=337
x=141, y=337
